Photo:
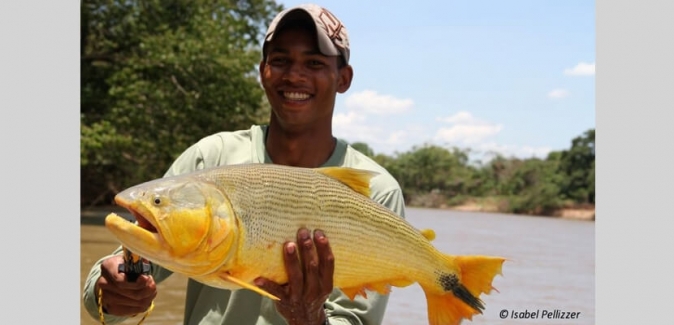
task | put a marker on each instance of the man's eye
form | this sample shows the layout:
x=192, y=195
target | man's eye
x=315, y=63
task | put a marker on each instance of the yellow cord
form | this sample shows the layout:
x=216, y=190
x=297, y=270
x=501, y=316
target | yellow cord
x=100, y=308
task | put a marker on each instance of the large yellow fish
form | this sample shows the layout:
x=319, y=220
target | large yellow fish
x=225, y=227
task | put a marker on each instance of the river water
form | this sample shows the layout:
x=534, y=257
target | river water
x=550, y=268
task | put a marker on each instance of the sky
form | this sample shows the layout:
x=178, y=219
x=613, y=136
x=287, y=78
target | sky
x=513, y=77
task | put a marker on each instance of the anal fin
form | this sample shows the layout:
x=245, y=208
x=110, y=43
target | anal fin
x=353, y=292
x=383, y=288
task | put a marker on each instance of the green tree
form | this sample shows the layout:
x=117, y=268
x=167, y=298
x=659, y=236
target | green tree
x=535, y=187
x=431, y=168
x=577, y=166
x=501, y=170
x=156, y=76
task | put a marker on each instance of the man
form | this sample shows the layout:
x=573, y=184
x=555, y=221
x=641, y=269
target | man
x=305, y=64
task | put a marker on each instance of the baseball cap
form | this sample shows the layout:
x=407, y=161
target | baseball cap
x=333, y=39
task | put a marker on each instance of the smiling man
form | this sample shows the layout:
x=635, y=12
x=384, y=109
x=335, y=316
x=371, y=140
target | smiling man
x=305, y=65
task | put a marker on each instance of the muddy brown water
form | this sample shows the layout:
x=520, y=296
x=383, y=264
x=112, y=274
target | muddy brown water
x=550, y=269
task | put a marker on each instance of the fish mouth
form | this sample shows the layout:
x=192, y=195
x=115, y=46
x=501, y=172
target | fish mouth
x=143, y=222
x=139, y=213
x=142, y=237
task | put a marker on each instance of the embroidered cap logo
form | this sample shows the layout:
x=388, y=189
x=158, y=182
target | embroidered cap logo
x=332, y=26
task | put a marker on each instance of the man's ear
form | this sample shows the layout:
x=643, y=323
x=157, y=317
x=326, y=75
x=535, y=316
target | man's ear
x=261, y=69
x=345, y=78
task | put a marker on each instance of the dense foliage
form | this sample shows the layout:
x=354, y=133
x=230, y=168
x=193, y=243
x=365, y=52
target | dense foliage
x=148, y=67
x=436, y=176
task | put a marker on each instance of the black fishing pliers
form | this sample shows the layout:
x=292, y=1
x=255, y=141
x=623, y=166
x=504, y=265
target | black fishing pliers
x=133, y=266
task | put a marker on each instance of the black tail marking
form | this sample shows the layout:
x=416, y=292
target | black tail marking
x=450, y=282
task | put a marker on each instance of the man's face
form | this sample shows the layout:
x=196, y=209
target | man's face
x=300, y=82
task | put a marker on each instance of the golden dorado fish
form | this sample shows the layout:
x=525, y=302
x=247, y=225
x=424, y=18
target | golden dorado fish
x=226, y=226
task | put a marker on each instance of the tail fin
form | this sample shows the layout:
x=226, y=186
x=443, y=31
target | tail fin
x=453, y=296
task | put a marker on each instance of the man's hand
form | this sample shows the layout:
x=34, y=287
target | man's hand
x=122, y=298
x=309, y=279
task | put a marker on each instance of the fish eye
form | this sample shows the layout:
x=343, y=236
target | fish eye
x=157, y=200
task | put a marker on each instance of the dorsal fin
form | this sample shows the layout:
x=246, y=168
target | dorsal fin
x=428, y=233
x=356, y=179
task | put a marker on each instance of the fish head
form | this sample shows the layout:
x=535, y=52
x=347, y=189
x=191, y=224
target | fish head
x=184, y=224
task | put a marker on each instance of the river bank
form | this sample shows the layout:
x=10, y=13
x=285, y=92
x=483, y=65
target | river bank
x=579, y=213
x=498, y=205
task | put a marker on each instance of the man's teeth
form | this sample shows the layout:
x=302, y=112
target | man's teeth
x=295, y=96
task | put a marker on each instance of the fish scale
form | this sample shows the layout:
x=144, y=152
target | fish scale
x=225, y=227
x=358, y=230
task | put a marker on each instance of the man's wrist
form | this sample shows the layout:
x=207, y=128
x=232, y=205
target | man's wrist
x=319, y=320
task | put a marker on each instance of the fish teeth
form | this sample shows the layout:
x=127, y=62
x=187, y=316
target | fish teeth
x=295, y=95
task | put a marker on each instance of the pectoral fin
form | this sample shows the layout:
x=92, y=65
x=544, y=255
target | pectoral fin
x=248, y=286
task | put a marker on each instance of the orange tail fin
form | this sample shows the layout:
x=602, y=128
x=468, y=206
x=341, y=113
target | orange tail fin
x=453, y=296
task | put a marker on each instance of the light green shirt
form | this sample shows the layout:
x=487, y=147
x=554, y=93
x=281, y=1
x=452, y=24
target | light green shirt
x=208, y=305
